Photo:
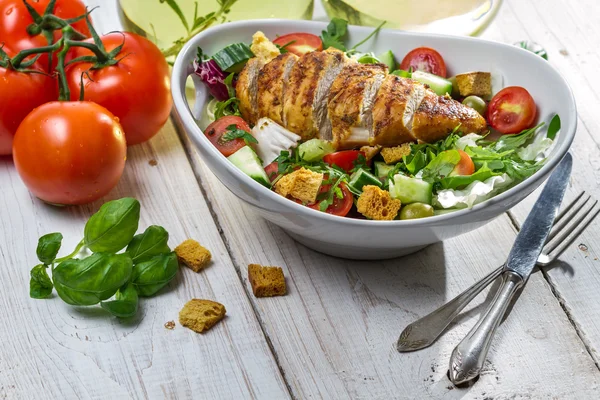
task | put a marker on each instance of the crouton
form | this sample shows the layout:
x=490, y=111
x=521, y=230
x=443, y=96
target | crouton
x=201, y=315
x=266, y=281
x=474, y=83
x=263, y=48
x=370, y=151
x=193, y=255
x=392, y=155
x=302, y=184
x=375, y=203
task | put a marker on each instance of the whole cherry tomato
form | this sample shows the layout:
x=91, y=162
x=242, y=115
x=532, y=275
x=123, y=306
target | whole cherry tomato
x=21, y=92
x=70, y=152
x=15, y=18
x=136, y=89
x=511, y=110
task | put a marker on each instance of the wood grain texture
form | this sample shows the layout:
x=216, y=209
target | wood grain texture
x=570, y=37
x=52, y=350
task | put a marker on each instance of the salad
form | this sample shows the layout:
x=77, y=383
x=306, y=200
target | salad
x=360, y=135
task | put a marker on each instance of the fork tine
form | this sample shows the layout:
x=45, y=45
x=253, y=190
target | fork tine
x=576, y=228
x=565, y=210
x=560, y=222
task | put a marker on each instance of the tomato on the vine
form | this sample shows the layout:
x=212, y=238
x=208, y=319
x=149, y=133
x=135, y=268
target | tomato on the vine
x=70, y=152
x=21, y=92
x=136, y=89
x=15, y=19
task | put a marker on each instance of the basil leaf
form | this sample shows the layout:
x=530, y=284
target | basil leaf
x=148, y=244
x=113, y=226
x=125, y=303
x=554, y=127
x=150, y=276
x=441, y=165
x=48, y=246
x=40, y=285
x=93, y=279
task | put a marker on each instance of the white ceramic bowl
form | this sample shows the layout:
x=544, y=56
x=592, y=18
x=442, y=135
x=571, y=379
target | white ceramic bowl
x=364, y=239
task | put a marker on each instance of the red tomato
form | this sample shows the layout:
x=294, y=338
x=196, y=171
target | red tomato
x=424, y=59
x=271, y=170
x=136, y=89
x=70, y=152
x=21, y=92
x=511, y=110
x=344, y=159
x=215, y=130
x=15, y=18
x=300, y=43
x=340, y=207
x=465, y=166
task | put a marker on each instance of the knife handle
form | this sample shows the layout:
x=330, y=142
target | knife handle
x=468, y=357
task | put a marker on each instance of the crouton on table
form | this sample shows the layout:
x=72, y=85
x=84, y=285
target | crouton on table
x=201, y=315
x=266, y=281
x=376, y=203
x=193, y=255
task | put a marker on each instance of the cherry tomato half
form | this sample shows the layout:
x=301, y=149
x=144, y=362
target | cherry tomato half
x=70, y=152
x=21, y=92
x=15, y=18
x=300, y=43
x=344, y=159
x=340, y=207
x=137, y=89
x=465, y=166
x=511, y=110
x=215, y=131
x=424, y=59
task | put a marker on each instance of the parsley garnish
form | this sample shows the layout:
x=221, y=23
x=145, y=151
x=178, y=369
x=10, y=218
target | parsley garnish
x=234, y=133
x=360, y=162
x=332, y=37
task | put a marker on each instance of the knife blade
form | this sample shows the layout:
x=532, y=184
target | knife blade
x=469, y=356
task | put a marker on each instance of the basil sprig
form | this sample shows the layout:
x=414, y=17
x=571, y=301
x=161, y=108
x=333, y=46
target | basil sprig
x=112, y=278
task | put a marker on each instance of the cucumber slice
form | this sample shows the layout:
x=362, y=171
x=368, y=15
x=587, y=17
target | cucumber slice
x=439, y=85
x=362, y=178
x=410, y=190
x=233, y=57
x=247, y=160
x=388, y=59
x=382, y=169
x=314, y=150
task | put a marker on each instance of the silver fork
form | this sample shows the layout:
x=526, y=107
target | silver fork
x=568, y=225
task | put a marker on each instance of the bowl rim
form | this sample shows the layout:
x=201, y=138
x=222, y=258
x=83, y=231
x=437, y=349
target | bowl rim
x=182, y=109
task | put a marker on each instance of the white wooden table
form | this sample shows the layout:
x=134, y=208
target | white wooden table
x=333, y=335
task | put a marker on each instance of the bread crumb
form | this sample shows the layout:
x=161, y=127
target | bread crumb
x=392, y=155
x=474, y=84
x=263, y=48
x=302, y=184
x=266, y=281
x=375, y=203
x=370, y=151
x=201, y=315
x=170, y=325
x=193, y=255
x=153, y=163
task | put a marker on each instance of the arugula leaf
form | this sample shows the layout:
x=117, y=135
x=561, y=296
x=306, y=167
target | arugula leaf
x=441, y=165
x=360, y=162
x=511, y=142
x=415, y=162
x=228, y=107
x=234, y=133
x=461, y=181
x=533, y=47
x=283, y=49
x=554, y=127
x=402, y=73
x=229, y=84
x=332, y=37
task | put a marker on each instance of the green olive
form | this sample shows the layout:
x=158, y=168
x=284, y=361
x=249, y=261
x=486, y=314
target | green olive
x=476, y=103
x=416, y=210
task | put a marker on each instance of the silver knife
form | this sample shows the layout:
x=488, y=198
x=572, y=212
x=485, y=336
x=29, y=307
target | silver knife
x=468, y=357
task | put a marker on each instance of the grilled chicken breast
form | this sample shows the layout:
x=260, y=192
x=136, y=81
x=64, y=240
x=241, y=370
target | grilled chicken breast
x=324, y=94
x=272, y=84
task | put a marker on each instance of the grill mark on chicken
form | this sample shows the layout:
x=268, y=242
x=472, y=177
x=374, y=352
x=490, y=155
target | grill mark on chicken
x=247, y=90
x=271, y=86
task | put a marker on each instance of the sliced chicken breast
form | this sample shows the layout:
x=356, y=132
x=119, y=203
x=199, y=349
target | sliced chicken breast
x=350, y=104
x=304, y=106
x=437, y=116
x=246, y=90
x=272, y=82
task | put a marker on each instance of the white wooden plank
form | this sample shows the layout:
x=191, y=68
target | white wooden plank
x=567, y=32
x=53, y=350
